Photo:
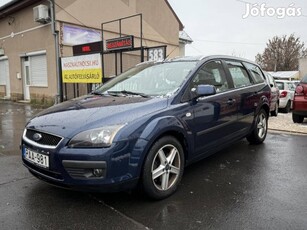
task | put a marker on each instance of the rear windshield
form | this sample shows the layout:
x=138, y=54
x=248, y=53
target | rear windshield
x=304, y=80
x=280, y=85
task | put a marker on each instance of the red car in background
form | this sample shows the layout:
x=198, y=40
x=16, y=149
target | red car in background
x=299, y=110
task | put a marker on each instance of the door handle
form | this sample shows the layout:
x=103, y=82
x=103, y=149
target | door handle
x=231, y=101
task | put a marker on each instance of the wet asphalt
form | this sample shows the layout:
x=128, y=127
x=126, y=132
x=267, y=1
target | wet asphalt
x=242, y=187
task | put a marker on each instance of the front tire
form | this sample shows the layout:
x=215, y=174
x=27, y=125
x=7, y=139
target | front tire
x=275, y=112
x=258, y=135
x=288, y=107
x=163, y=168
x=297, y=118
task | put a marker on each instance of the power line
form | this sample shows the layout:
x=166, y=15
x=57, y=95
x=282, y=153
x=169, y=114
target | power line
x=229, y=42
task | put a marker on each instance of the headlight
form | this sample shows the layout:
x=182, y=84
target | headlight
x=95, y=138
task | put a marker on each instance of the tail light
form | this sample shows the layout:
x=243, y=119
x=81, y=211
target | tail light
x=283, y=94
x=299, y=91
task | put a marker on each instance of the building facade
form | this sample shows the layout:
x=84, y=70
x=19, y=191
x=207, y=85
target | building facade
x=30, y=42
x=302, y=67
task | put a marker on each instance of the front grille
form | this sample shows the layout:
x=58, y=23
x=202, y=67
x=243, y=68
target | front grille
x=46, y=138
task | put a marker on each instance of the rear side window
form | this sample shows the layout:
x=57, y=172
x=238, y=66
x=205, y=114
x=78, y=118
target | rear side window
x=239, y=74
x=270, y=79
x=304, y=80
x=255, y=72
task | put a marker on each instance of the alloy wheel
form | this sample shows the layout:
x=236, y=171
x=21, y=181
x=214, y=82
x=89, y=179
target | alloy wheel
x=262, y=125
x=165, y=167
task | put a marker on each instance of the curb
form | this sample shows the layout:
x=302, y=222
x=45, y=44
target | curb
x=286, y=131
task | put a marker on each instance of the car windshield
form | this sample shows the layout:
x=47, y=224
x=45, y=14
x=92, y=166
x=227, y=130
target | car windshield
x=149, y=79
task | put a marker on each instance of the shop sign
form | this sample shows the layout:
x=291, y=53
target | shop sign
x=121, y=43
x=82, y=69
x=73, y=35
x=88, y=48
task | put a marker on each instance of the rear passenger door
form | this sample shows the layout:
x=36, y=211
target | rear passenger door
x=248, y=83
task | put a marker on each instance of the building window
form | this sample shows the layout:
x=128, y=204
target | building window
x=38, y=70
x=3, y=71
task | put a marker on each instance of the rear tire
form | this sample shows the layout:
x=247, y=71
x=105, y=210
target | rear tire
x=288, y=107
x=258, y=135
x=275, y=112
x=163, y=168
x=297, y=118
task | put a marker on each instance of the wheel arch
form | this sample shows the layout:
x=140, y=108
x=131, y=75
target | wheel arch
x=158, y=129
x=266, y=108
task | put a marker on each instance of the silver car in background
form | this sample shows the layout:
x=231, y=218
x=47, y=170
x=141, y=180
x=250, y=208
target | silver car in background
x=274, y=99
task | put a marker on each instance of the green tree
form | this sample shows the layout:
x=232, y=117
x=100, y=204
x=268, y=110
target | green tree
x=282, y=54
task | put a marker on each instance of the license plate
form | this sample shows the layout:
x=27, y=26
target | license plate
x=39, y=159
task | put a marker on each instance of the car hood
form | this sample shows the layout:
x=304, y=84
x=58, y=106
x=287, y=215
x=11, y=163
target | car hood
x=93, y=111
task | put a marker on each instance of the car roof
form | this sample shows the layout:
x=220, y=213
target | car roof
x=208, y=57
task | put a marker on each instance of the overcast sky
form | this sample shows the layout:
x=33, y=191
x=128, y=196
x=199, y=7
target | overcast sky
x=235, y=27
x=2, y=2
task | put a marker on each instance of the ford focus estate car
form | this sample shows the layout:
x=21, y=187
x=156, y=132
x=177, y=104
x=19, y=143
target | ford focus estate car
x=144, y=126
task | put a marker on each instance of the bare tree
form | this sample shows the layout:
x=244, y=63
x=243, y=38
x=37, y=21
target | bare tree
x=282, y=54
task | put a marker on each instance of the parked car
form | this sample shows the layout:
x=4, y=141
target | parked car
x=274, y=99
x=286, y=93
x=144, y=126
x=299, y=111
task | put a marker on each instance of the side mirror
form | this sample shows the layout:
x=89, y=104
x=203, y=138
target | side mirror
x=204, y=90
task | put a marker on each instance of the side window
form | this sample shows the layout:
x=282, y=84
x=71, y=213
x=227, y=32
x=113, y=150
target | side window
x=211, y=73
x=239, y=74
x=291, y=86
x=256, y=73
x=271, y=80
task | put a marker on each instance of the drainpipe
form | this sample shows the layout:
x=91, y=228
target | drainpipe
x=59, y=96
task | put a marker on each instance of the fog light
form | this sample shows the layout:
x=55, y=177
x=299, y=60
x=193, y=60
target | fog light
x=98, y=172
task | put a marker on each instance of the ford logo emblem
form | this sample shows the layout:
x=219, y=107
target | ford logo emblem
x=37, y=136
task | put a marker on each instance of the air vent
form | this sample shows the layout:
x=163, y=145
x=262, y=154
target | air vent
x=41, y=14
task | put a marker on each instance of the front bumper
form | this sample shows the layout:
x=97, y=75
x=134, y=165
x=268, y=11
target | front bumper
x=115, y=168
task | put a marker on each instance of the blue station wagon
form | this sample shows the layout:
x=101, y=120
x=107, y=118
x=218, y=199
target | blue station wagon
x=144, y=126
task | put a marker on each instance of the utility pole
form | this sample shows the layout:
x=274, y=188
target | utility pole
x=59, y=96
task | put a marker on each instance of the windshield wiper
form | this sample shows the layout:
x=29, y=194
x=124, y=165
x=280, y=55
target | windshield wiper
x=98, y=93
x=125, y=92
